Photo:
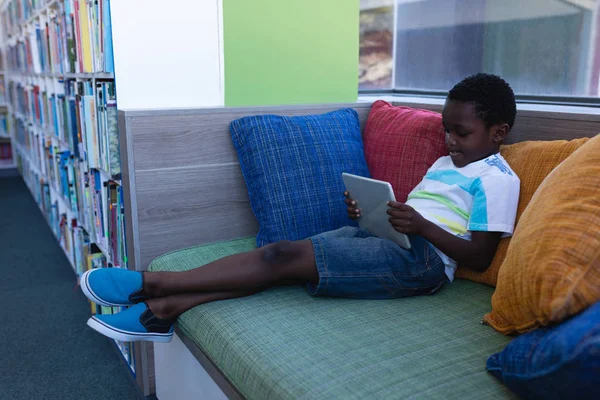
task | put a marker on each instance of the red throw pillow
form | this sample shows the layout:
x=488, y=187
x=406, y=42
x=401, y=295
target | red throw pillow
x=401, y=143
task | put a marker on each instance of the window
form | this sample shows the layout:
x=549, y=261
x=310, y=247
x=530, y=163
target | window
x=546, y=48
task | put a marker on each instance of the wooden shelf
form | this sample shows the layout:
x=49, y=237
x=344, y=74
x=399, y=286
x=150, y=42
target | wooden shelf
x=66, y=75
x=7, y=164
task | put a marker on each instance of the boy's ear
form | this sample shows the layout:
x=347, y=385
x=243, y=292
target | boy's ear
x=500, y=132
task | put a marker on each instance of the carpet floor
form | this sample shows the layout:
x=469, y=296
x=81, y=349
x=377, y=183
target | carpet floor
x=46, y=348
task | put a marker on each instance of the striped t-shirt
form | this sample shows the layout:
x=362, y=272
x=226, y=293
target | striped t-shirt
x=481, y=196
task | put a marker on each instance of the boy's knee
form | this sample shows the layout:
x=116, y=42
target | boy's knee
x=279, y=252
x=289, y=261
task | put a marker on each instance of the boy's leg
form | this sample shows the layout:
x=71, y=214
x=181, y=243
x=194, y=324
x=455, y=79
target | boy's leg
x=271, y=265
x=172, y=293
x=367, y=267
x=171, y=307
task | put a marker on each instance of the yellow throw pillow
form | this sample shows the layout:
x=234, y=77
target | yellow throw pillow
x=532, y=161
x=552, y=267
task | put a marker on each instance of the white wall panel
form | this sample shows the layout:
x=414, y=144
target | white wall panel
x=167, y=54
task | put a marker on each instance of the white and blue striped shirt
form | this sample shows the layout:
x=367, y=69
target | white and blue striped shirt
x=481, y=196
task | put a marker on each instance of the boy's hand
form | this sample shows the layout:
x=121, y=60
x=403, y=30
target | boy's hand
x=353, y=210
x=405, y=219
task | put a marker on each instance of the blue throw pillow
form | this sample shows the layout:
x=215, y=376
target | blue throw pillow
x=560, y=362
x=293, y=170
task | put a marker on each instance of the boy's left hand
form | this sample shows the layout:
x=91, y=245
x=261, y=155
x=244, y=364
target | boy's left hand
x=405, y=219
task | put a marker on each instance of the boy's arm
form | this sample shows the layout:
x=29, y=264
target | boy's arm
x=476, y=254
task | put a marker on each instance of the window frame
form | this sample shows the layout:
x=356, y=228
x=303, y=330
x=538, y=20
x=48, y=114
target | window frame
x=578, y=101
x=520, y=98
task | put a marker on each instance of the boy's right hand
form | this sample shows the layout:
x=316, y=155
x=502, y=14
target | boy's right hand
x=353, y=210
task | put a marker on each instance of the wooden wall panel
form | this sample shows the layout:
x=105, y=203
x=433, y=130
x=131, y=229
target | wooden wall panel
x=535, y=128
x=175, y=139
x=189, y=206
x=181, y=140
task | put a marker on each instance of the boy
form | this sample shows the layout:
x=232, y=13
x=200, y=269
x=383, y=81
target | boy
x=457, y=214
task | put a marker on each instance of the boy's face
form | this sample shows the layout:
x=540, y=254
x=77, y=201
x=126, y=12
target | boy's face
x=467, y=137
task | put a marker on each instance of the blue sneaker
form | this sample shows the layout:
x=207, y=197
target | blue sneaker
x=137, y=323
x=113, y=287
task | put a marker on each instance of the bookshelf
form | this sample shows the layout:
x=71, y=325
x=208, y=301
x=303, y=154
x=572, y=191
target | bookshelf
x=57, y=90
x=6, y=149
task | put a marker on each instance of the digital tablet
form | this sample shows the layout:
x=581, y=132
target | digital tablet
x=371, y=197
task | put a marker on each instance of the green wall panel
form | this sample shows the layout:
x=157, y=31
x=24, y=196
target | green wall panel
x=290, y=51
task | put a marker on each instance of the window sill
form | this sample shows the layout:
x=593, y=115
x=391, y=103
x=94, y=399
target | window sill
x=523, y=109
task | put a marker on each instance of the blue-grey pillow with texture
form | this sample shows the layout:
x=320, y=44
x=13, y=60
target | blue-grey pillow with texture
x=559, y=362
x=293, y=170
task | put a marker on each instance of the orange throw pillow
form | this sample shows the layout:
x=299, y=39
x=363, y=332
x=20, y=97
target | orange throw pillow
x=532, y=161
x=552, y=267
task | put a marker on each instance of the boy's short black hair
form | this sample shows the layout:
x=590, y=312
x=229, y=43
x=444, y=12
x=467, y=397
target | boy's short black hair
x=493, y=98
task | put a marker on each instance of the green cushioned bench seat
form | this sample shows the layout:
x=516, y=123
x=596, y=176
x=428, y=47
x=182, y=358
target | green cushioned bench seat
x=285, y=344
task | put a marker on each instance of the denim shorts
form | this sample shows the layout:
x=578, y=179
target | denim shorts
x=355, y=264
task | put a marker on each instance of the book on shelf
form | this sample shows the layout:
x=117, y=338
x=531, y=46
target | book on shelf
x=5, y=151
x=4, y=125
x=81, y=12
x=46, y=201
x=81, y=246
x=117, y=225
x=2, y=85
x=50, y=208
x=107, y=45
x=64, y=233
x=22, y=133
x=112, y=130
x=95, y=259
x=73, y=37
x=72, y=181
x=68, y=36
